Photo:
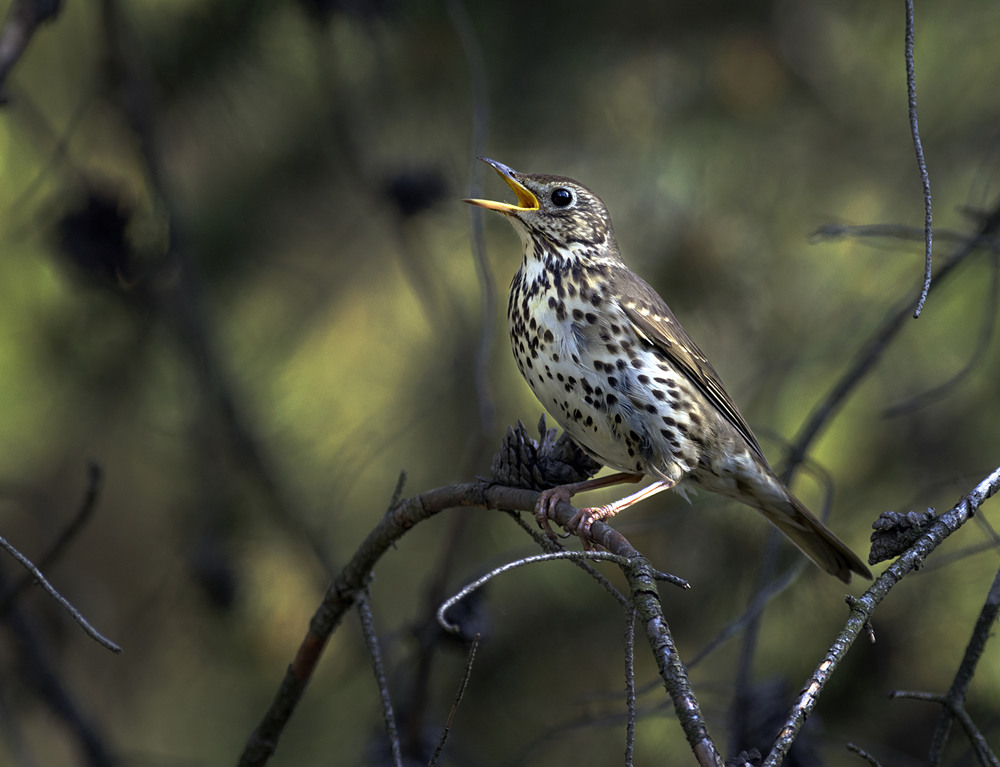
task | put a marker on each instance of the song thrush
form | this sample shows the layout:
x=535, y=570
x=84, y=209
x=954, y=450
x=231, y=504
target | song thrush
x=608, y=359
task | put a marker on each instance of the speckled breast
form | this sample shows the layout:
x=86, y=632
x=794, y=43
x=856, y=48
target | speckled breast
x=617, y=396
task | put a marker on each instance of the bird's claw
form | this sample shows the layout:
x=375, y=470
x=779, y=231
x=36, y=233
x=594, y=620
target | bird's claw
x=579, y=524
x=545, y=510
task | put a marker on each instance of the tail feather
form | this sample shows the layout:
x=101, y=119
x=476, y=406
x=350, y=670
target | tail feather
x=814, y=539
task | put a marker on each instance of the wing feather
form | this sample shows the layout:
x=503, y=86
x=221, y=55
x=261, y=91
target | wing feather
x=653, y=320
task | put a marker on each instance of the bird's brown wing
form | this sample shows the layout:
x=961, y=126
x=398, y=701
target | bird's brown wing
x=652, y=318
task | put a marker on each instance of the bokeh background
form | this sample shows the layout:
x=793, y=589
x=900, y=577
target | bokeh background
x=237, y=278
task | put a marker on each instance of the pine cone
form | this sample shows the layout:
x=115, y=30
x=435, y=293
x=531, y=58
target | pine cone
x=537, y=465
x=895, y=532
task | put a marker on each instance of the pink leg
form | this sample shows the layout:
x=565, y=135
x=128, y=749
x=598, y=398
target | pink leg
x=548, y=499
x=584, y=518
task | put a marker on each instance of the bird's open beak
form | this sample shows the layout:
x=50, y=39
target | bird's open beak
x=526, y=199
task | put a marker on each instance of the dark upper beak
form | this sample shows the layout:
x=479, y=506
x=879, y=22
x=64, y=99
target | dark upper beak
x=526, y=199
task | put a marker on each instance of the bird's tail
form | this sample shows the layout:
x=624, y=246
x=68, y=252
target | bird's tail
x=814, y=539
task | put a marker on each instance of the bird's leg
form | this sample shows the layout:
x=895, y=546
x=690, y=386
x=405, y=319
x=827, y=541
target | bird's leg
x=584, y=518
x=548, y=499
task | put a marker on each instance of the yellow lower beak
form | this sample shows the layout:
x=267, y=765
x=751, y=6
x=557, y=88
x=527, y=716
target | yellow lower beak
x=526, y=199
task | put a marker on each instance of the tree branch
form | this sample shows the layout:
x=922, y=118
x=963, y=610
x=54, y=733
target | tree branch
x=862, y=609
x=966, y=670
x=352, y=580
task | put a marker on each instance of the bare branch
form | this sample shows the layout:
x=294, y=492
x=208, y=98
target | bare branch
x=870, y=354
x=911, y=93
x=457, y=702
x=864, y=755
x=371, y=642
x=966, y=670
x=51, y=591
x=983, y=752
x=862, y=608
x=68, y=533
x=351, y=581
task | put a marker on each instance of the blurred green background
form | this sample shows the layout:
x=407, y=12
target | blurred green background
x=237, y=276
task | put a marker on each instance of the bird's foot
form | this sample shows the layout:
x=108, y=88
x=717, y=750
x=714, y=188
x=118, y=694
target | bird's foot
x=545, y=510
x=585, y=518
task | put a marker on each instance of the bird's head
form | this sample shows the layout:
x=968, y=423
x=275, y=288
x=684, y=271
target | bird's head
x=553, y=210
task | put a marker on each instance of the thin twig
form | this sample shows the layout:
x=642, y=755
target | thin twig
x=871, y=352
x=546, y=544
x=35, y=663
x=457, y=702
x=966, y=670
x=371, y=642
x=51, y=591
x=983, y=752
x=862, y=608
x=983, y=343
x=760, y=600
x=864, y=755
x=925, y=181
x=601, y=556
x=69, y=532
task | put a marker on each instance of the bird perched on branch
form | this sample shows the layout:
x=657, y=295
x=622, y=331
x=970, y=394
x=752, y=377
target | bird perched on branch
x=606, y=356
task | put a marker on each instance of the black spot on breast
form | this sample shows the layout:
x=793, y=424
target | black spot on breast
x=549, y=338
x=612, y=348
x=643, y=379
x=591, y=317
x=651, y=408
x=659, y=394
x=669, y=421
x=577, y=314
x=612, y=400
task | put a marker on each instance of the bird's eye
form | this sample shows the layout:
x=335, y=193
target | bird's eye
x=561, y=197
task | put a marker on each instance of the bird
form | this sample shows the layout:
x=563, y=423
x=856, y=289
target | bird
x=606, y=356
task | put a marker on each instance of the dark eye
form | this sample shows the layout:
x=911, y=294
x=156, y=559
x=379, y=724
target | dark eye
x=561, y=197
